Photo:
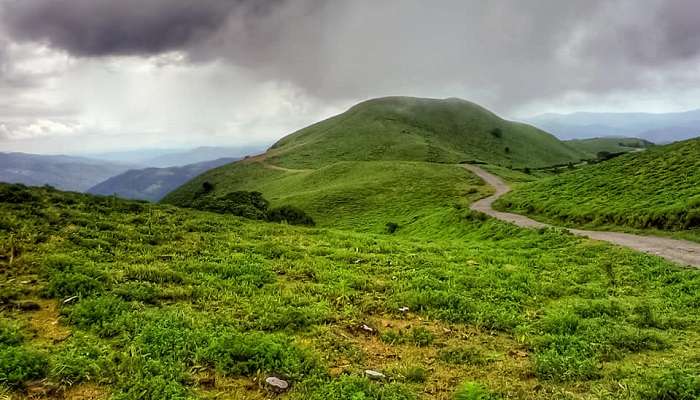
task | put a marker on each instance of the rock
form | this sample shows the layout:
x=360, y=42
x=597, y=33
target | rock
x=26, y=305
x=366, y=328
x=374, y=375
x=276, y=384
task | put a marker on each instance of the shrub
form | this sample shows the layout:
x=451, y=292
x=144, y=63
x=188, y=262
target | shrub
x=391, y=227
x=676, y=384
x=462, y=355
x=235, y=353
x=421, y=337
x=392, y=337
x=19, y=365
x=138, y=291
x=80, y=359
x=10, y=333
x=497, y=132
x=207, y=187
x=414, y=374
x=566, y=358
x=70, y=284
x=291, y=215
x=560, y=323
x=16, y=194
x=250, y=205
x=98, y=314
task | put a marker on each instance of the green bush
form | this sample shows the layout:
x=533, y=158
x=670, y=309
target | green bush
x=392, y=337
x=98, y=314
x=19, y=365
x=676, y=384
x=462, y=355
x=250, y=205
x=80, y=359
x=566, y=358
x=391, y=227
x=235, y=353
x=64, y=285
x=10, y=333
x=145, y=292
x=414, y=374
x=17, y=194
x=421, y=337
x=290, y=215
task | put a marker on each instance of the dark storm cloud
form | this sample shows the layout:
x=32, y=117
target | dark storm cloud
x=646, y=34
x=503, y=53
x=109, y=27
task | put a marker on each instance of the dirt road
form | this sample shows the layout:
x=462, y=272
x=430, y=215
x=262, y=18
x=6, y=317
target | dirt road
x=680, y=251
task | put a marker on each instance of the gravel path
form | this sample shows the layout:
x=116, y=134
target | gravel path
x=679, y=251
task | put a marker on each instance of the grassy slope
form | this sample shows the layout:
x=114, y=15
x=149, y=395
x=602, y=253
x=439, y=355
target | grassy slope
x=413, y=129
x=658, y=188
x=591, y=147
x=384, y=161
x=362, y=196
x=175, y=304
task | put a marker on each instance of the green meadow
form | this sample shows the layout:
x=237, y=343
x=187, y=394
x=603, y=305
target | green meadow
x=656, y=190
x=393, y=290
x=142, y=301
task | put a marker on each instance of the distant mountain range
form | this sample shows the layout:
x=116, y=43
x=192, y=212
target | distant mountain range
x=153, y=183
x=163, y=158
x=62, y=172
x=657, y=128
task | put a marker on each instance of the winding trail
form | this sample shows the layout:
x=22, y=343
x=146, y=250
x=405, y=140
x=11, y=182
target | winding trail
x=679, y=251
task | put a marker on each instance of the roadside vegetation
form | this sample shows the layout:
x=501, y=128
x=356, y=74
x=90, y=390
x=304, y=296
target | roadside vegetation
x=657, y=190
x=128, y=300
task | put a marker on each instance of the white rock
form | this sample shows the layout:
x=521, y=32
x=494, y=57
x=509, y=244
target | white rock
x=277, y=384
x=374, y=375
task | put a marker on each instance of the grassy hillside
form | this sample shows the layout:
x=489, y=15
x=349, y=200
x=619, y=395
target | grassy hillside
x=362, y=196
x=414, y=129
x=591, y=147
x=385, y=160
x=657, y=188
x=105, y=298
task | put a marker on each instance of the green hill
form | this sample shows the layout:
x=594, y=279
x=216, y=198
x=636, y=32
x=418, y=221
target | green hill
x=592, y=147
x=415, y=129
x=362, y=196
x=105, y=298
x=657, y=188
x=389, y=160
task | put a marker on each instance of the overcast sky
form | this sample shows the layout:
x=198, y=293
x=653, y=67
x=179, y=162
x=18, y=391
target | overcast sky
x=95, y=75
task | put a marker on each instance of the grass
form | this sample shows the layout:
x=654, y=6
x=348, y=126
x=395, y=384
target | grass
x=657, y=190
x=385, y=162
x=414, y=129
x=178, y=304
x=362, y=196
x=591, y=147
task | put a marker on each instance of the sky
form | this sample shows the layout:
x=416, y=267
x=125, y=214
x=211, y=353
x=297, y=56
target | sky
x=82, y=76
